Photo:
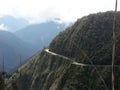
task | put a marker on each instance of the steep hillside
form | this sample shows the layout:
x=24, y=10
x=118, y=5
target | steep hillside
x=90, y=36
x=11, y=47
x=50, y=71
x=49, y=68
x=74, y=60
x=40, y=35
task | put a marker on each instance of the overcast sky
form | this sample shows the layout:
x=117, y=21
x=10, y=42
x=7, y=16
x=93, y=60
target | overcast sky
x=45, y=10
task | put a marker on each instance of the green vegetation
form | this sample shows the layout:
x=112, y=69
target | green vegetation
x=88, y=40
x=50, y=72
x=43, y=71
x=91, y=35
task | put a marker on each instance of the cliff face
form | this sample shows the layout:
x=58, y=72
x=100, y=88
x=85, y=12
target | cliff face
x=78, y=59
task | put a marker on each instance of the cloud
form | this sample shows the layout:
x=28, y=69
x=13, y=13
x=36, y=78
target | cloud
x=3, y=27
x=43, y=10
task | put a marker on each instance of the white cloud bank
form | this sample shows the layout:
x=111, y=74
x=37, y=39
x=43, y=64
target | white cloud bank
x=44, y=10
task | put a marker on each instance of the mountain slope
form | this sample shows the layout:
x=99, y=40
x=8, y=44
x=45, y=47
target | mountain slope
x=47, y=71
x=90, y=36
x=66, y=64
x=11, y=48
x=39, y=35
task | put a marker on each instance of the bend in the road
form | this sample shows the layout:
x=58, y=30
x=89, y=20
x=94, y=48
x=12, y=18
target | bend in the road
x=76, y=63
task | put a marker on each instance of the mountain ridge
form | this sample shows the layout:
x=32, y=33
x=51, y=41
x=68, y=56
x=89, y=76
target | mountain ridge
x=40, y=35
x=88, y=40
x=11, y=47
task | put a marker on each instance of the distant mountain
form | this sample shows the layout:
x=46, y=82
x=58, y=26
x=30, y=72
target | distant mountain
x=12, y=23
x=11, y=48
x=79, y=58
x=40, y=35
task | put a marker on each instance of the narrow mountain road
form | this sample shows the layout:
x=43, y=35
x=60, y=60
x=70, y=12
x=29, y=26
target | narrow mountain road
x=76, y=63
x=47, y=50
